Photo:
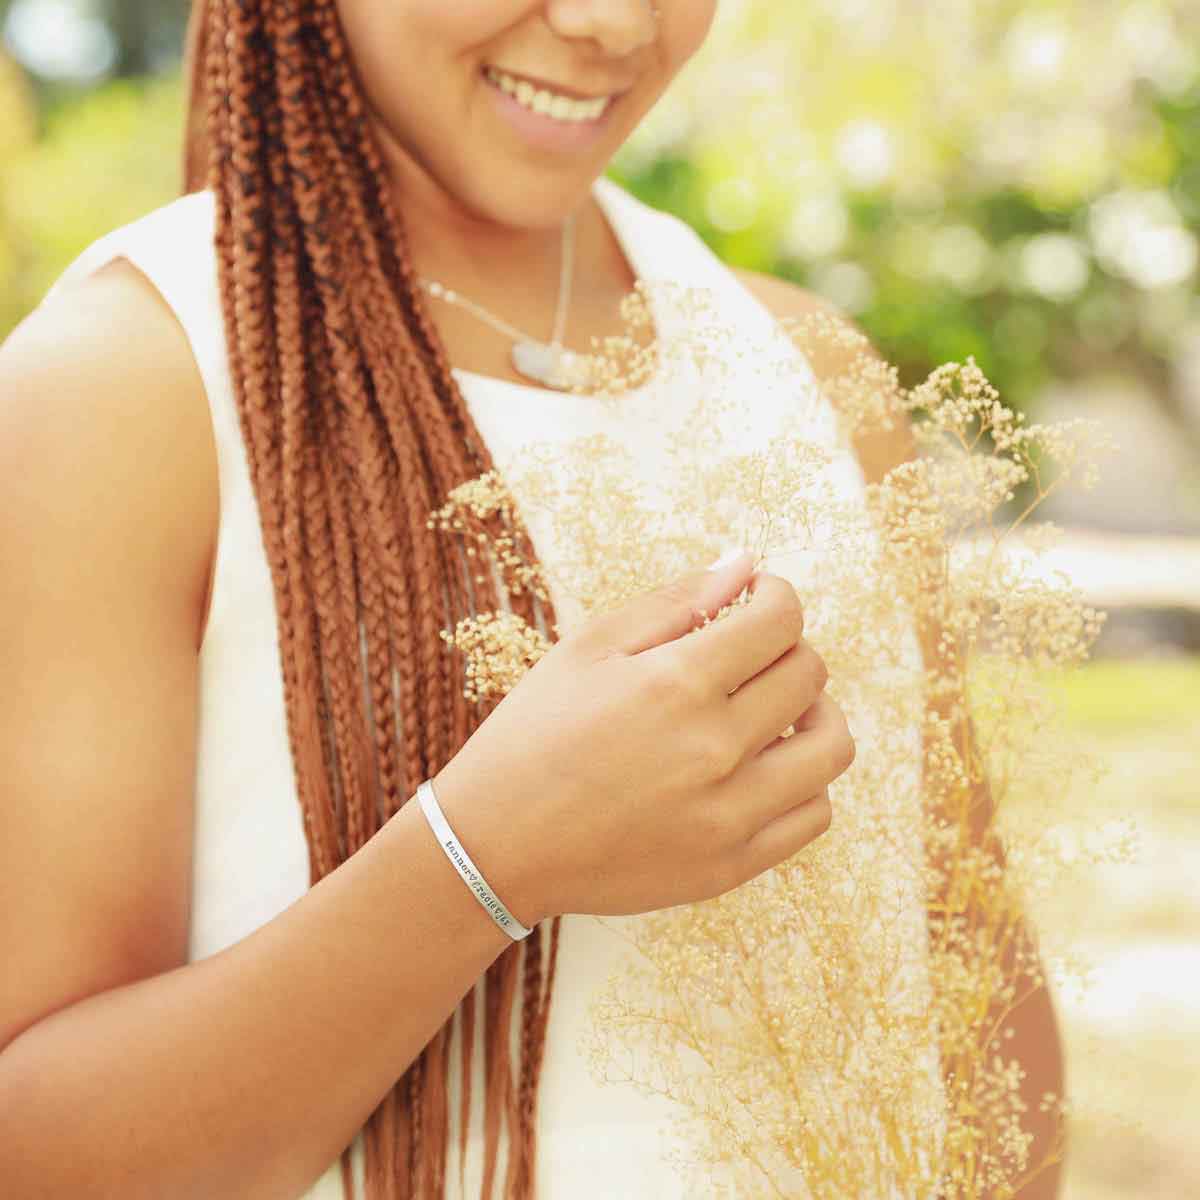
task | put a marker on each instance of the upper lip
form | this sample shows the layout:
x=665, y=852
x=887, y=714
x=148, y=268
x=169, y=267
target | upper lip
x=551, y=86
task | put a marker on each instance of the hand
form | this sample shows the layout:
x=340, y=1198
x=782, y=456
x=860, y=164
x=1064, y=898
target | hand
x=634, y=768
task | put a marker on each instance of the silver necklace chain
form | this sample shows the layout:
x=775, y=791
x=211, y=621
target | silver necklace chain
x=547, y=362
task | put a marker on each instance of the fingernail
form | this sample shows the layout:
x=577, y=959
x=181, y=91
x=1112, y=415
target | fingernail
x=725, y=558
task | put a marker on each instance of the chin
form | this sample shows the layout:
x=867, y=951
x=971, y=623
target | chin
x=543, y=203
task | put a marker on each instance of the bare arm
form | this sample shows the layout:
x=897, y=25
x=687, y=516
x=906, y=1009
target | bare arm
x=125, y=1071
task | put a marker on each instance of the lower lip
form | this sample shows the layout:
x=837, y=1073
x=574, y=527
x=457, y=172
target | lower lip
x=545, y=132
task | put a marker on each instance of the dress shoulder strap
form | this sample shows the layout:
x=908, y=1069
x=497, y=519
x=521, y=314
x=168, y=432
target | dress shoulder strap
x=663, y=246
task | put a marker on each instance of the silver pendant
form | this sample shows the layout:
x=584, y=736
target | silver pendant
x=555, y=366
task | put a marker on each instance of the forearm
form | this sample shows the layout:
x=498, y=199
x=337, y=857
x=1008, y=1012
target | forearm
x=247, y=1073
x=1024, y=1005
x=1036, y=1044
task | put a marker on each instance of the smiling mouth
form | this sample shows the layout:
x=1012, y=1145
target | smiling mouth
x=526, y=104
x=491, y=69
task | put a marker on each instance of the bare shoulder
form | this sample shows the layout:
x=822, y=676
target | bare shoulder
x=101, y=397
x=877, y=453
x=789, y=301
x=105, y=506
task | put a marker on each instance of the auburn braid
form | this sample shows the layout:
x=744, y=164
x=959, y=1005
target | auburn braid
x=355, y=430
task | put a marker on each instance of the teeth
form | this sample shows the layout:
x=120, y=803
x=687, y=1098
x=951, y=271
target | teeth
x=549, y=104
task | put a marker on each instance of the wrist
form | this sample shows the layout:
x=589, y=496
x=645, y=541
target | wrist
x=493, y=849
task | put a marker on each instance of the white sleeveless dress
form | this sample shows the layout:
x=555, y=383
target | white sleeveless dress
x=597, y=1140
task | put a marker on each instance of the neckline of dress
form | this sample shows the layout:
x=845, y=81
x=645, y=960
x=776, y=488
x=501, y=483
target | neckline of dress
x=616, y=210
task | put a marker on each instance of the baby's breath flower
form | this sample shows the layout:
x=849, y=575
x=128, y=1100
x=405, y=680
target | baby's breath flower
x=787, y=1018
x=498, y=648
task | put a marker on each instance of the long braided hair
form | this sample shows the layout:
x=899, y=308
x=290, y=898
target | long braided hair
x=355, y=430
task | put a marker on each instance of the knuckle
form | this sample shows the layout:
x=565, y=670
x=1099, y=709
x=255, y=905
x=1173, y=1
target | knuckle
x=716, y=828
x=842, y=750
x=824, y=812
x=668, y=682
x=727, y=871
x=683, y=609
x=790, y=610
x=783, y=603
x=717, y=756
x=819, y=668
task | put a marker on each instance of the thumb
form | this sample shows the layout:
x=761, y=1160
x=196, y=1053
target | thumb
x=671, y=610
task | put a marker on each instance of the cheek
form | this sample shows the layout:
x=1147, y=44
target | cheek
x=690, y=22
x=458, y=26
x=398, y=47
x=684, y=26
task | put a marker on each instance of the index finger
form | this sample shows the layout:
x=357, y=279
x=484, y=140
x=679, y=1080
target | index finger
x=748, y=639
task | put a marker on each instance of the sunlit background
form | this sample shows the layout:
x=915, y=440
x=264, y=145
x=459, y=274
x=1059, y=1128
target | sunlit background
x=1012, y=180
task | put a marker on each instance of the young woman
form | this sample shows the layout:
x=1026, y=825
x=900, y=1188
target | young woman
x=239, y=962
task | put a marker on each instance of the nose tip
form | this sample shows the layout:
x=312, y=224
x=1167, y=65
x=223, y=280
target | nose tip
x=646, y=26
x=619, y=28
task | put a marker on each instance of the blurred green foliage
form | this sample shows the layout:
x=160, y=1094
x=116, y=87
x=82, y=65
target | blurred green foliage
x=1012, y=180
x=1115, y=696
x=102, y=159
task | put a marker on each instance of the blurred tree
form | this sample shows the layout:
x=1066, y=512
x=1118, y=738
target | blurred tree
x=134, y=23
x=1013, y=179
x=18, y=128
x=102, y=161
x=149, y=33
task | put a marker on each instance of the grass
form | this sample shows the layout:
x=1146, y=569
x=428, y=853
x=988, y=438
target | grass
x=1134, y=1075
x=1111, y=696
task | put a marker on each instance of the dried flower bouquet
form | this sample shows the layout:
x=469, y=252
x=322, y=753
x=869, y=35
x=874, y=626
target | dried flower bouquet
x=836, y=1026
